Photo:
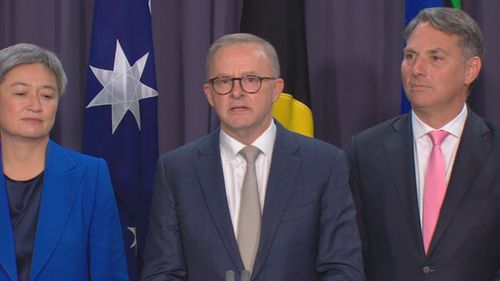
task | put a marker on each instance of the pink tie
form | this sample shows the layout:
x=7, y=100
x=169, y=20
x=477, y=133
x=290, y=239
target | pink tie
x=434, y=186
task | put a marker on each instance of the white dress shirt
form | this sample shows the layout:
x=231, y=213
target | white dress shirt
x=234, y=167
x=423, y=146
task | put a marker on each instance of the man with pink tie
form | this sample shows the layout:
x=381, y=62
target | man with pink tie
x=427, y=183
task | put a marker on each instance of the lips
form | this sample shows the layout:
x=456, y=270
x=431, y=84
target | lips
x=239, y=108
x=419, y=86
x=32, y=119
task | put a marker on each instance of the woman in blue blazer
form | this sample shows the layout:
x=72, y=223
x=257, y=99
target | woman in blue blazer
x=58, y=215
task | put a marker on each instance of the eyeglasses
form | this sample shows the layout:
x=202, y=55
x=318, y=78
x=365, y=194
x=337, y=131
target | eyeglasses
x=223, y=85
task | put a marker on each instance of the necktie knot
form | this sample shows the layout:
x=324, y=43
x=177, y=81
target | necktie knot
x=250, y=153
x=437, y=136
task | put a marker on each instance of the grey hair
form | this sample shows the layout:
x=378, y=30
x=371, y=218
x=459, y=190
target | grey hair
x=24, y=53
x=455, y=22
x=245, y=38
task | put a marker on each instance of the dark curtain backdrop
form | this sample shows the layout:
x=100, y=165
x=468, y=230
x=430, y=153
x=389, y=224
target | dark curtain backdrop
x=354, y=50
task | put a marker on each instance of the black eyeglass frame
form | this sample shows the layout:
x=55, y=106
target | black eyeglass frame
x=260, y=78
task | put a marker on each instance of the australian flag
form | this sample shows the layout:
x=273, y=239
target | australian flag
x=120, y=123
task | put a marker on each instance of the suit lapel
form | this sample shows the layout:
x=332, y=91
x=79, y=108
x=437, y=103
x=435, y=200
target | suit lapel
x=61, y=180
x=399, y=148
x=475, y=144
x=285, y=163
x=211, y=180
x=7, y=251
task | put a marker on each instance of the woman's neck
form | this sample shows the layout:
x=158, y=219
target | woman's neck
x=23, y=160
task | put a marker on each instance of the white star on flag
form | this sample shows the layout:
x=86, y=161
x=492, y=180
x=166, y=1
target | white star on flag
x=122, y=87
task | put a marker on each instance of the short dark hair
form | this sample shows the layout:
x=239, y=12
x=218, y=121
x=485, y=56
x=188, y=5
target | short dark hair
x=455, y=22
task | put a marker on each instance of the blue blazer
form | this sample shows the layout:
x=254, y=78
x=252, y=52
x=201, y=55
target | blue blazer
x=308, y=223
x=466, y=243
x=78, y=235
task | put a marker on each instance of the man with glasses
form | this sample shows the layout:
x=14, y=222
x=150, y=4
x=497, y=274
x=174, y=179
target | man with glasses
x=251, y=197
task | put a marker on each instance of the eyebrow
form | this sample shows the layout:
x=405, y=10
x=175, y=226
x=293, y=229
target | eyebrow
x=437, y=50
x=50, y=87
x=242, y=74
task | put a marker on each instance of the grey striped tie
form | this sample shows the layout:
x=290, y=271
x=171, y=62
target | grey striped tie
x=250, y=211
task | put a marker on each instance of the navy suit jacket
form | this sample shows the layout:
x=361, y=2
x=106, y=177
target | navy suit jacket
x=466, y=242
x=308, y=224
x=78, y=234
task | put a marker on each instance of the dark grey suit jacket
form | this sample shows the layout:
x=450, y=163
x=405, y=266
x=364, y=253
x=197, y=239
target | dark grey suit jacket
x=308, y=226
x=466, y=243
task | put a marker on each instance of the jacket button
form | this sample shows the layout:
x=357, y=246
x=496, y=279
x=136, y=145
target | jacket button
x=427, y=269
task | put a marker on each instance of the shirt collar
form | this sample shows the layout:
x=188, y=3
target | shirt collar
x=455, y=127
x=265, y=142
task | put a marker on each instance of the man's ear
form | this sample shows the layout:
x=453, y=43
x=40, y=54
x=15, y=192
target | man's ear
x=279, y=84
x=472, y=70
x=208, y=94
